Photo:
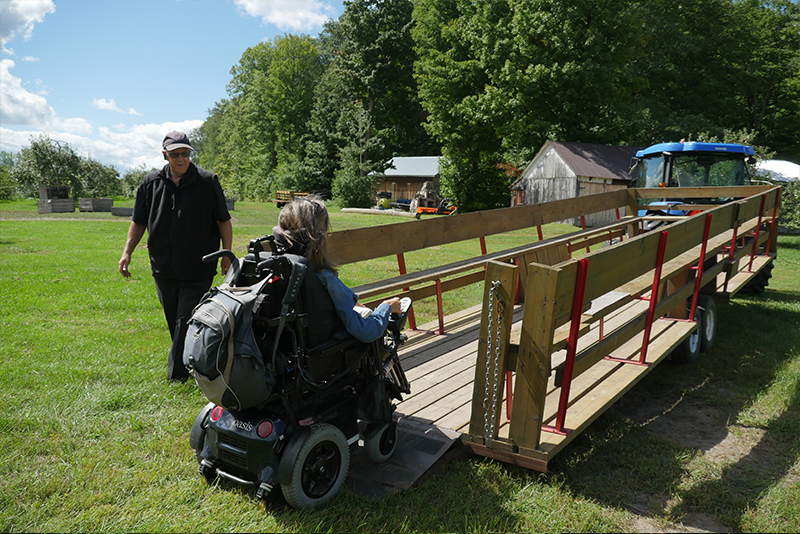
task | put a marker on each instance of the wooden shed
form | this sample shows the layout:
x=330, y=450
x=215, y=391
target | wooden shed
x=564, y=170
x=406, y=174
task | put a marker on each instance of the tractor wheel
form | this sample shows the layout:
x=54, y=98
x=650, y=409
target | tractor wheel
x=381, y=442
x=320, y=468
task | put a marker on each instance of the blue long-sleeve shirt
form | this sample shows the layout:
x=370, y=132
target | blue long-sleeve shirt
x=364, y=329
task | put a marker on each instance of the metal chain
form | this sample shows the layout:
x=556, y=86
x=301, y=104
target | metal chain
x=486, y=417
x=490, y=409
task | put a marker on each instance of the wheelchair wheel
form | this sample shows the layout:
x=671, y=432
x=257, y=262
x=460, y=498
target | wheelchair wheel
x=380, y=442
x=320, y=468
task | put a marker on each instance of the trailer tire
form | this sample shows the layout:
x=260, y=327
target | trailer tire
x=688, y=350
x=707, y=317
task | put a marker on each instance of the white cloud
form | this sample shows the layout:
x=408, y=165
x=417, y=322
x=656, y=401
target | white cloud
x=138, y=145
x=110, y=105
x=19, y=16
x=30, y=59
x=294, y=15
x=20, y=107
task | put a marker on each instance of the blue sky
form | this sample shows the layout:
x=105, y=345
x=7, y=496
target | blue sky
x=111, y=77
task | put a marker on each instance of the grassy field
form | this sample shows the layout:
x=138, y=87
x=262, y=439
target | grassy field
x=93, y=437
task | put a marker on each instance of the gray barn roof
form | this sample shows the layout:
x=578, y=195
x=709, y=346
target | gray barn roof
x=590, y=159
x=597, y=161
x=414, y=166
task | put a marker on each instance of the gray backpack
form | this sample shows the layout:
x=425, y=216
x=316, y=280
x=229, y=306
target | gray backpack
x=221, y=352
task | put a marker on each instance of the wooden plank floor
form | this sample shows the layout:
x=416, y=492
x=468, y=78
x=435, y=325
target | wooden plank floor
x=441, y=370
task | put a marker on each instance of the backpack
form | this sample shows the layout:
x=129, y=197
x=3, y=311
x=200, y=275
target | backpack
x=221, y=352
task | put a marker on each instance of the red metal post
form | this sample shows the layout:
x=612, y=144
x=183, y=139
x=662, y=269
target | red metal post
x=583, y=226
x=483, y=245
x=699, y=273
x=509, y=395
x=572, y=341
x=774, y=225
x=662, y=246
x=439, y=306
x=401, y=265
x=732, y=250
x=758, y=232
x=539, y=231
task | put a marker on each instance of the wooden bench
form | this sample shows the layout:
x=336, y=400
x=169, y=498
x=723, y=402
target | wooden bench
x=569, y=370
x=285, y=196
x=350, y=246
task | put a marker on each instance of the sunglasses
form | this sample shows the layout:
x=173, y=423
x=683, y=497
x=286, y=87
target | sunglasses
x=176, y=155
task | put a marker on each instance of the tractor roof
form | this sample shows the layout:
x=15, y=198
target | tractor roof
x=729, y=148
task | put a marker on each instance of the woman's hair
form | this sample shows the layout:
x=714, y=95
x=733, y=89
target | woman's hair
x=304, y=223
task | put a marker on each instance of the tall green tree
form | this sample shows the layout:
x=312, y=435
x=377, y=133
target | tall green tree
x=499, y=78
x=377, y=58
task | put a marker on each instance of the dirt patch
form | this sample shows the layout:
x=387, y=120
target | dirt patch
x=700, y=426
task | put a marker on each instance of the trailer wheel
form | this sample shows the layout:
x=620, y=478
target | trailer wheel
x=320, y=468
x=707, y=311
x=381, y=442
x=688, y=350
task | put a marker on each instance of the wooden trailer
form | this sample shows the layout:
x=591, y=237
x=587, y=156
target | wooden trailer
x=559, y=337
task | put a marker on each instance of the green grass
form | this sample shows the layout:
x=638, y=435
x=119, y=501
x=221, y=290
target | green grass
x=94, y=438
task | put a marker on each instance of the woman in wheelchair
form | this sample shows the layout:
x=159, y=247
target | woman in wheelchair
x=303, y=229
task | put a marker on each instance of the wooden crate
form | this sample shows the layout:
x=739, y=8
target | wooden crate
x=122, y=212
x=95, y=204
x=56, y=205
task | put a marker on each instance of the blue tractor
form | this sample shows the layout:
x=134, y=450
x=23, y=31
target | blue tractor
x=694, y=164
x=691, y=164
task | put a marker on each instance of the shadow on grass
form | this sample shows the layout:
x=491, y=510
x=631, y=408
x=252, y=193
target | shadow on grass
x=467, y=496
x=672, y=448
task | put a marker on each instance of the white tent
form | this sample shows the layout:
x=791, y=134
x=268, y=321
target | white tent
x=780, y=170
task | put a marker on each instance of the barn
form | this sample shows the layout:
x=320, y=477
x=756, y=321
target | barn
x=405, y=175
x=566, y=170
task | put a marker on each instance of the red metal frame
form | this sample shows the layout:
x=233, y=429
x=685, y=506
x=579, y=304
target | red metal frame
x=648, y=326
x=700, y=266
x=401, y=266
x=758, y=233
x=774, y=223
x=732, y=251
x=572, y=347
x=583, y=227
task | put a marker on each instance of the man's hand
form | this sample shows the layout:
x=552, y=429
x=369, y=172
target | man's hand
x=225, y=264
x=124, y=262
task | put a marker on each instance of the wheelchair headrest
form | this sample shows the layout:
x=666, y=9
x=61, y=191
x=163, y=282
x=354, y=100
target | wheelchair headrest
x=288, y=242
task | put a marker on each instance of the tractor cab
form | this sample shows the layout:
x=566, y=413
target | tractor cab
x=692, y=164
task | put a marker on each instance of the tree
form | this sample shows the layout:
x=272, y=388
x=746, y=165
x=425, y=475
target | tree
x=48, y=162
x=499, y=78
x=377, y=58
x=355, y=179
x=8, y=186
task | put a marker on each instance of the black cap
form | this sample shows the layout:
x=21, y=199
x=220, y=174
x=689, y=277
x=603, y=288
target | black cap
x=176, y=140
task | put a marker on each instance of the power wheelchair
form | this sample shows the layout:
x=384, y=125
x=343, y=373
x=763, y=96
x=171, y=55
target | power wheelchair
x=330, y=390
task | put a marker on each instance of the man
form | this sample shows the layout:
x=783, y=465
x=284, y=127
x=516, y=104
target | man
x=183, y=209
